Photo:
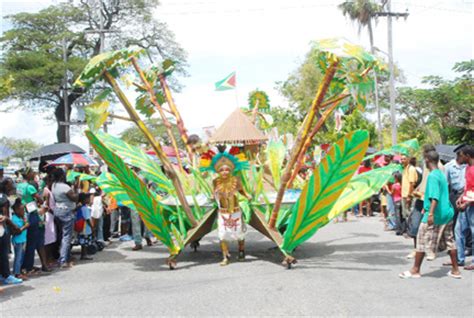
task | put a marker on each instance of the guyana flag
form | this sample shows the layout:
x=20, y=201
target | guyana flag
x=227, y=83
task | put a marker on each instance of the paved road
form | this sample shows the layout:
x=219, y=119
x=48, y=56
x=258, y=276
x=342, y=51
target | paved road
x=347, y=269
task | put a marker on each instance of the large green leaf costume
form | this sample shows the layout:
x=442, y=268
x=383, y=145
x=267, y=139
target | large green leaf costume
x=111, y=185
x=150, y=210
x=362, y=187
x=324, y=188
x=136, y=157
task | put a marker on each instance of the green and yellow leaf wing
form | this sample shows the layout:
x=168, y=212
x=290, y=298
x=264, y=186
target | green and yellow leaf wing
x=275, y=155
x=324, y=188
x=138, y=158
x=111, y=185
x=149, y=209
x=362, y=187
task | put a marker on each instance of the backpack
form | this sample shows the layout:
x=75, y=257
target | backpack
x=419, y=179
x=80, y=222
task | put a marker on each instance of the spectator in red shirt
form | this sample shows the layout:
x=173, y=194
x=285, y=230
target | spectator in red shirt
x=466, y=201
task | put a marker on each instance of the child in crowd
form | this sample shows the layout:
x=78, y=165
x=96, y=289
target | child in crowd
x=19, y=239
x=396, y=193
x=97, y=213
x=83, y=224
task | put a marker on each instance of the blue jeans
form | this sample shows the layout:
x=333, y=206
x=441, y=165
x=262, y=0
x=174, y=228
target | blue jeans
x=99, y=231
x=34, y=240
x=114, y=217
x=392, y=219
x=19, y=249
x=137, y=228
x=66, y=224
x=398, y=216
x=466, y=223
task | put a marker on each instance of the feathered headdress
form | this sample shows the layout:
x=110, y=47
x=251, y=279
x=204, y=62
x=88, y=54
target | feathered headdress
x=234, y=158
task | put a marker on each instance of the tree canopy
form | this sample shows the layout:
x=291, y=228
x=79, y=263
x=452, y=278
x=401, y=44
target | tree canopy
x=23, y=147
x=299, y=89
x=442, y=113
x=33, y=49
x=135, y=137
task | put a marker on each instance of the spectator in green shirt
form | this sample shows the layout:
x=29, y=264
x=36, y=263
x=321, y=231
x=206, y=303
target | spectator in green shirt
x=437, y=221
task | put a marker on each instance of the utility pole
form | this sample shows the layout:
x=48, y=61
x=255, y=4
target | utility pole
x=389, y=14
x=101, y=31
x=65, y=93
x=96, y=4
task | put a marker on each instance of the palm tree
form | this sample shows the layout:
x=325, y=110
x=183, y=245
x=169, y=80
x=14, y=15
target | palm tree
x=363, y=12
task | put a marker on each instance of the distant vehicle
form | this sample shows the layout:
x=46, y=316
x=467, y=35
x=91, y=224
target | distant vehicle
x=14, y=165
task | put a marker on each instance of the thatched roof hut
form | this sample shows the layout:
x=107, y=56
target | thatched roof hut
x=238, y=129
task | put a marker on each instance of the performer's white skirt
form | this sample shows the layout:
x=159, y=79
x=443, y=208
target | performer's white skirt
x=231, y=226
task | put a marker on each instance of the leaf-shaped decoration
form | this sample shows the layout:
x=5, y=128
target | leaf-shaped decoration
x=103, y=94
x=96, y=114
x=136, y=157
x=111, y=185
x=149, y=209
x=275, y=155
x=362, y=187
x=324, y=187
x=72, y=175
x=168, y=67
x=203, y=185
x=144, y=106
x=404, y=148
x=109, y=61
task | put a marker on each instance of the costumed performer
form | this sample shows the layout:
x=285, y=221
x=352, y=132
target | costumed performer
x=226, y=186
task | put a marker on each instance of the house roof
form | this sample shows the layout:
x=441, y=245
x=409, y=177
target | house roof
x=238, y=128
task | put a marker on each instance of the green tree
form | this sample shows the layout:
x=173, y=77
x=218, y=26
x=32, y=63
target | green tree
x=285, y=120
x=442, y=113
x=33, y=48
x=301, y=85
x=134, y=136
x=23, y=147
x=300, y=89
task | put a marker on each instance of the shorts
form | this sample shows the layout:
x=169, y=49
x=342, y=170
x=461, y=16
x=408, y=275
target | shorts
x=429, y=236
x=231, y=226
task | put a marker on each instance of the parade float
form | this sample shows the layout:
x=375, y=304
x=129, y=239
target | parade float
x=184, y=205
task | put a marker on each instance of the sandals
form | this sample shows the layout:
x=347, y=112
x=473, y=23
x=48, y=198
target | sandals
x=224, y=262
x=457, y=276
x=469, y=267
x=408, y=274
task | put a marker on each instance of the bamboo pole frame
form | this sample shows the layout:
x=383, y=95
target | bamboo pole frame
x=174, y=111
x=302, y=136
x=148, y=87
x=155, y=145
x=317, y=127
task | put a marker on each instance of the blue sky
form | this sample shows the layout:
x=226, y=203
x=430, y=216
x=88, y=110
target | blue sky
x=265, y=40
